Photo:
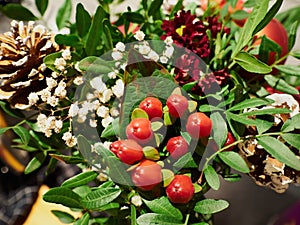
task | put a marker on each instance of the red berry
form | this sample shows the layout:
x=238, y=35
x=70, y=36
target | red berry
x=146, y=175
x=230, y=139
x=177, y=146
x=181, y=189
x=198, y=125
x=152, y=106
x=177, y=105
x=140, y=130
x=128, y=151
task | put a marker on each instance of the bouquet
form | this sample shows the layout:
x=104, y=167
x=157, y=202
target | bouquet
x=155, y=107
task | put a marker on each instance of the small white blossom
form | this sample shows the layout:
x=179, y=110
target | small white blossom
x=120, y=47
x=163, y=59
x=60, y=64
x=42, y=67
x=66, y=54
x=118, y=88
x=45, y=94
x=139, y=35
x=60, y=91
x=112, y=75
x=51, y=83
x=106, y=95
x=144, y=49
x=114, y=112
x=83, y=111
x=136, y=200
x=168, y=40
x=33, y=98
x=153, y=55
x=81, y=118
x=93, y=123
x=77, y=67
x=116, y=55
x=58, y=126
x=50, y=122
x=102, y=111
x=53, y=101
x=73, y=110
x=78, y=80
x=102, y=177
x=169, y=51
x=55, y=74
x=98, y=84
x=69, y=139
x=106, y=121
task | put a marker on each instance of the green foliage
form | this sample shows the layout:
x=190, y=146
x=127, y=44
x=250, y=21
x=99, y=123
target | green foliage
x=18, y=12
x=42, y=6
x=210, y=206
x=64, y=14
x=212, y=177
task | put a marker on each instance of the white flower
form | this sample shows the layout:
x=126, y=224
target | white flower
x=136, y=200
x=105, y=95
x=53, y=101
x=90, y=96
x=73, y=110
x=93, y=123
x=163, y=59
x=60, y=64
x=102, y=111
x=45, y=94
x=66, y=54
x=78, y=80
x=98, y=84
x=106, y=121
x=69, y=139
x=139, y=35
x=102, y=177
x=120, y=47
x=41, y=121
x=55, y=74
x=114, y=112
x=116, y=55
x=112, y=75
x=153, y=55
x=60, y=91
x=118, y=88
x=168, y=40
x=144, y=49
x=51, y=83
x=33, y=98
x=169, y=51
x=58, y=126
x=42, y=67
x=81, y=118
x=50, y=122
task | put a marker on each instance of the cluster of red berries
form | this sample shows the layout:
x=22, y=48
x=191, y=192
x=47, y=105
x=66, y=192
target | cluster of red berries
x=137, y=150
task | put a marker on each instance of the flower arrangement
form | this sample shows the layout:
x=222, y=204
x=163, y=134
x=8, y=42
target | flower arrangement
x=156, y=107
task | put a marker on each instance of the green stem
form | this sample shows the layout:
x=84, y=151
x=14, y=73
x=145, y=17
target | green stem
x=187, y=219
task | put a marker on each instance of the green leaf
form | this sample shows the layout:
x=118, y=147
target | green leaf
x=242, y=119
x=82, y=191
x=232, y=177
x=154, y=7
x=210, y=206
x=288, y=17
x=84, y=220
x=269, y=16
x=95, y=31
x=271, y=111
x=35, y=162
x=23, y=133
x=289, y=70
x=254, y=19
x=4, y=129
x=68, y=159
x=212, y=177
x=281, y=85
x=219, y=129
x=154, y=218
x=64, y=196
x=18, y=12
x=42, y=6
x=100, y=197
x=293, y=34
x=64, y=14
x=108, y=40
x=111, y=130
x=292, y=139
x=266, y=47
x=133, y=214
x=96, y=65
x=239, y=15
x=67, y=39
x=83, y=20
x=117, y=171
x=80, y=179
x=163, y=206
x=63, y=217
x=134, y=17
x=186, y=161
x=251, y=63
x=279, y=151
x=50, y=59
x=235, y=161
x=84, y=147
x=201, y=223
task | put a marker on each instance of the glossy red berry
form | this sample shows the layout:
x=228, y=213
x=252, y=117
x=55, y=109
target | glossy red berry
x=177, y=105
x=229, y=140
x=198, y=125
x=181, y=189
x=152, y=106
x=128, y=151
x=177, y=146
x=146, y=175
x=140, y=130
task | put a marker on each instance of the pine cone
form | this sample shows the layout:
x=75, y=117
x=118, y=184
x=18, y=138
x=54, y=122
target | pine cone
x=21, y=62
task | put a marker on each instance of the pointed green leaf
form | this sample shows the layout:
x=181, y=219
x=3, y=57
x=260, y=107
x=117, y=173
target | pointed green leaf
x=293, y=34
x=250, y=103
x=242, y=119
x=100, y=197
x=289, y=70
x=252, y=64
x=35, y=162
x=212, y=177
x=154, y=218
x=83, y=20
x=235, y=161
x=64, y=14
x=96, y=65
x=18, y=12
x=84, y=220
x=42, y=6
x=23, y=133
x=186, y=161
x=134, y=17
x=64, y=196
x=4, y=129
x=281, y=85
x=63, y=217
x=68, y=159
x=219, y=129
x=80, y=179
x=210, y=206
x=154, y=7
x=292, y=139
x=112, y=130
x=280, y=151
x=163, y=206
x=117, y=171
x=271, y=111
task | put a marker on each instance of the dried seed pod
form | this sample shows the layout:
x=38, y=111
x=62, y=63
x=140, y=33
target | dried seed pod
x=21, y=62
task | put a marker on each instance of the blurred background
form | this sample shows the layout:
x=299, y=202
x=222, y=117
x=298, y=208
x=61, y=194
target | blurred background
x=249, y=203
